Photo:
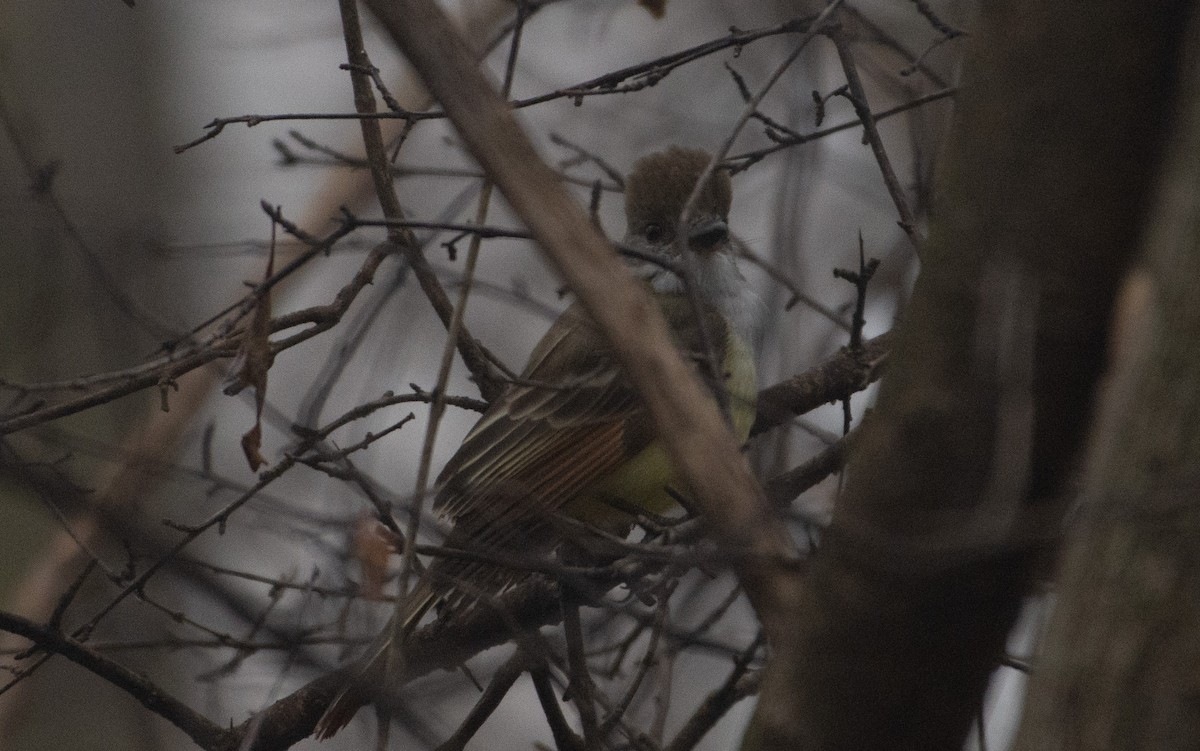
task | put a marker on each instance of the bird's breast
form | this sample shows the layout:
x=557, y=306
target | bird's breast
x=642, y=481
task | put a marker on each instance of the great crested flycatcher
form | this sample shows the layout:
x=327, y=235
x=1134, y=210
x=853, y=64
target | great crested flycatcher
x=571, y=438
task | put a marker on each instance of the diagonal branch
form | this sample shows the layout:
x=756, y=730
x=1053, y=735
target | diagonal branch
x=204, y=732
x=697, y=439
x=389, y=202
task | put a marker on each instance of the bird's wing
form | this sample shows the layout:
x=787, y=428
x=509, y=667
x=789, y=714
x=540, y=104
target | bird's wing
x=573, y=419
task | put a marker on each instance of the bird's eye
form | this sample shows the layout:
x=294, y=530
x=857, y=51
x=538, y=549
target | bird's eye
x=653, y=233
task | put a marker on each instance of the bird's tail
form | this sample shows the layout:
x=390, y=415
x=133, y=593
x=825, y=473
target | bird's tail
x=368, y=681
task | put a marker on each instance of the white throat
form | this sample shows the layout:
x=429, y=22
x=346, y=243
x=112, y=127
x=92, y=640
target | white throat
x=720, y=283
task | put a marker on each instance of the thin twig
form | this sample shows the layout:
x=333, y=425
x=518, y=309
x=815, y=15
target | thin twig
x=797, y=295
x=206, y=734
x=454, y=330
x=640, y=76
x=41, y=182
x=935, y=21
x=364, y=103
x=694, y=433
x=582, y=691
x=737, y=686
x=649, y=659
x=689, y=206
x=564, y=738
x=858, y=99
x=739, y=162
x=502, y=681
x=861, y=279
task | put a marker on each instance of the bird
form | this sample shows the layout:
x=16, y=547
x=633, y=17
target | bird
x=570, y=438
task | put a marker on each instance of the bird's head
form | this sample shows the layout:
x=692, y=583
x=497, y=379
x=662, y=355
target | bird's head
x=655, y=192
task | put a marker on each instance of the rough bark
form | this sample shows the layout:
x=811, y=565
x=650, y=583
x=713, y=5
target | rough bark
x=1120, y=667
x=953, y=492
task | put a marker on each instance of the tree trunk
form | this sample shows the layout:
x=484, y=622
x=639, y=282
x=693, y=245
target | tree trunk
x=954, y=493
x=1121, y=662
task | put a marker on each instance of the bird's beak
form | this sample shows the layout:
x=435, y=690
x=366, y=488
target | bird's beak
x=708, y=236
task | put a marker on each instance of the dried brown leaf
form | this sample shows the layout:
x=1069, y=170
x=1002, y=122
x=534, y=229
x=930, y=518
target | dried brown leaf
x=253, y=362
x=373, y=545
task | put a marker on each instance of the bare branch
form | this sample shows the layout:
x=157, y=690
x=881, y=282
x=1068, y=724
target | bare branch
x=205, y=733
x=698, y=440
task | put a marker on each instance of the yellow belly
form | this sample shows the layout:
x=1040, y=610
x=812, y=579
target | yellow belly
x=642, y=481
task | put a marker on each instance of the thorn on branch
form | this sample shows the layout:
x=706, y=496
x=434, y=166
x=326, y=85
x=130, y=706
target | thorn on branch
x=165, y=385
x=860, y=279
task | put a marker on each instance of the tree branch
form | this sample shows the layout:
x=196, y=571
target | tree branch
x=698, y=441
x=205, y=733
x=958, y=476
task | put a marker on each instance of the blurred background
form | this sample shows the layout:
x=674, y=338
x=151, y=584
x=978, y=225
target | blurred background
x=113, y=246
